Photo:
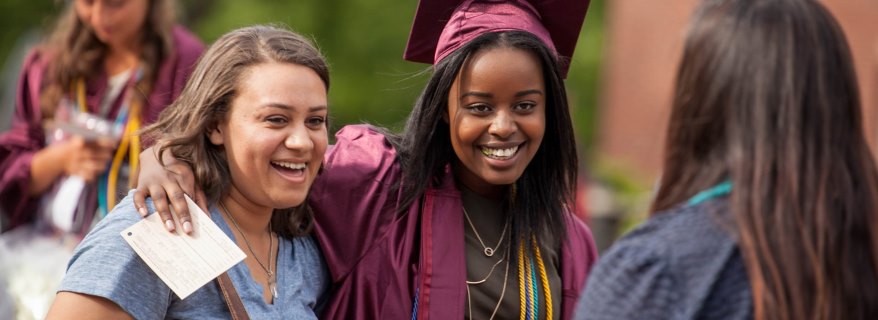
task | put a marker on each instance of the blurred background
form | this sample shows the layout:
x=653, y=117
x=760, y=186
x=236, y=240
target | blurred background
x=619, y=83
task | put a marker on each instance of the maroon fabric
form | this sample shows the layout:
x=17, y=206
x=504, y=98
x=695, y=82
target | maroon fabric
x=378, y=259
x=26, y=136
x=442, y=26
x=473, y=18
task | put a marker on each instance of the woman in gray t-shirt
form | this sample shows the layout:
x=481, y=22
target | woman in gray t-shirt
x=252, y=121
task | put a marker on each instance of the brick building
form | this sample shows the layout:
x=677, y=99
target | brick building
x=644, y=43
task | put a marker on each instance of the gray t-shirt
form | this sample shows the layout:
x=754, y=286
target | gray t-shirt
x=104, y=265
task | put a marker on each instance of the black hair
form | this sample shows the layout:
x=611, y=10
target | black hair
x=537, y=200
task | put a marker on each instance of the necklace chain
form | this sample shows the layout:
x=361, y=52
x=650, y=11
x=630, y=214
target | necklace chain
x=488, y=250
x=489, y=273
x=502, y=292
x=272, y=284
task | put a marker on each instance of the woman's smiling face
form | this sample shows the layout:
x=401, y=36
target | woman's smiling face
x=274, y=134
x=497, y=117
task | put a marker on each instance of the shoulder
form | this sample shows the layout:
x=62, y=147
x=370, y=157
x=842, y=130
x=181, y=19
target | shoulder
x=35, y=64
x=683, y=231
x=37, y=56
x=106, y=239
x=660, y=267
x=580, y=241
x=576, y=228
x=104, y=265
x=682, y=237
x=360, y=150
x=187, y=46
x=308, y=263
x=305, y=248
x=122, y=216
x=363, y=135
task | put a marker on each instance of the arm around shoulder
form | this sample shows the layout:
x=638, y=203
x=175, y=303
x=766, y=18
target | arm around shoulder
x=353, y=198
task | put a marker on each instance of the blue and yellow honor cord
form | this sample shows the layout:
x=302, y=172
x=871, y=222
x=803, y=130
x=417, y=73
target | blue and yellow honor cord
x=129, y=118
x=527, y=283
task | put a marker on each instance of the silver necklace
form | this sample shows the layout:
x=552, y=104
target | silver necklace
x=272, y=280
x=488, y=250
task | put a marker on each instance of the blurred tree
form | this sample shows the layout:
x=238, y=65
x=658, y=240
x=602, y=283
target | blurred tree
x=363, y=40
x=17, y=17
x=584, y=82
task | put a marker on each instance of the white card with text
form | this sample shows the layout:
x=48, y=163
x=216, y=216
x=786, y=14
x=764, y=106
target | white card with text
x=185, y=262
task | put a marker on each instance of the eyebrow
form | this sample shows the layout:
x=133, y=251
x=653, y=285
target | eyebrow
x=286, y=107
x=488, y=95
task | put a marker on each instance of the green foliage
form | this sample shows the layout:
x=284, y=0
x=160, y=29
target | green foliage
x=20, y=16
x=364, y=41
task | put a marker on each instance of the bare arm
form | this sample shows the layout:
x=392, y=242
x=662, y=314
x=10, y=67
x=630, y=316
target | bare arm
x=166, y=184
x=75, y=157
x=71, y=305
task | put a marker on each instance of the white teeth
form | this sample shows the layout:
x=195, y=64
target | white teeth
x=289, y=165
x=499, y=153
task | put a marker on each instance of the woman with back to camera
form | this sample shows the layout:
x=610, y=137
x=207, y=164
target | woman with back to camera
x=252, y=120
x=121, y=60
x=767, y=203
x=464, y=214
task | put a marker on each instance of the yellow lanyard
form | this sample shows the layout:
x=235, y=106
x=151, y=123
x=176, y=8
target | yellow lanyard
x=130, y=140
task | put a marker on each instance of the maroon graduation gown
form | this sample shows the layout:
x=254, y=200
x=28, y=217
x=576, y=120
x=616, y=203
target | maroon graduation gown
x=379, y=260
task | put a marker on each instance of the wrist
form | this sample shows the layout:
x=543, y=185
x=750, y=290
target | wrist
x=47, y=165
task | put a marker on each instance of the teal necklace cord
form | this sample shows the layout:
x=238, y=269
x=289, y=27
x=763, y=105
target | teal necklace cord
x=722, y=189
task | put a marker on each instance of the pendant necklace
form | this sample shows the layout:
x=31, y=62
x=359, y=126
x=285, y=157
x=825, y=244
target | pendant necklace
x=488, y=250
x=272, y=280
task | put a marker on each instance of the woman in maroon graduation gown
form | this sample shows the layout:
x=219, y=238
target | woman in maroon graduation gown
x=123, y=61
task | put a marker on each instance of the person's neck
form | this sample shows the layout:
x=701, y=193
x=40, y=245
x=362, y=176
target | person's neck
x=121, y=58
x=476, y=184
x=251, y=218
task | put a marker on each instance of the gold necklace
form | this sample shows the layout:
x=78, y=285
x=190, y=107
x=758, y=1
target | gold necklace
x=489, y=274
x=469, y=302
x=272, y=281
x=488, y=250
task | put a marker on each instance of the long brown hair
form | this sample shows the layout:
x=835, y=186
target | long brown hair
x=76, y=53
x=767, y=98
x=182, y=128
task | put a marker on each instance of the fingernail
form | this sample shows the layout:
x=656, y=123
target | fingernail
x=169, y=225
x=187, y=227
x=143, y=212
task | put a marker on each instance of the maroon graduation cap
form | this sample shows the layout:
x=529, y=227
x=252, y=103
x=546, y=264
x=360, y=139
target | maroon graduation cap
x=442, y=26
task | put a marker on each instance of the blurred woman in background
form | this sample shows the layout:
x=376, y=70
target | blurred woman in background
x=767, y=204
x=121, y=61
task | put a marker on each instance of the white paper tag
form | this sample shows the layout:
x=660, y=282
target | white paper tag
x=185, y=262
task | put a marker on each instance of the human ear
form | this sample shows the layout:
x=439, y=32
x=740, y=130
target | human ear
x=215, y=135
